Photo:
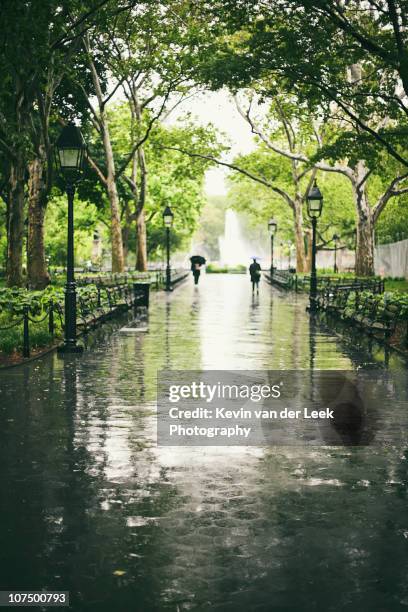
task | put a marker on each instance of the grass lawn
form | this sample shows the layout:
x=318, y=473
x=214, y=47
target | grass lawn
x=392, y=284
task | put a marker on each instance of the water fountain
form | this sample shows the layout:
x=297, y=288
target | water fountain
x=234, y=249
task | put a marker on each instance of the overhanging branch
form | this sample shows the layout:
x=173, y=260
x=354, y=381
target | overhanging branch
x=246, y=173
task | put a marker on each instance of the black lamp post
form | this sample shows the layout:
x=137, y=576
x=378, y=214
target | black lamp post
x=314, y=210
x=335, y=239
x=273, y=227
x=168, y=217
x=69, y=155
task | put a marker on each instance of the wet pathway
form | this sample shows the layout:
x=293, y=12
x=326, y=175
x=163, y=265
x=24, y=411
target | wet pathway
x=89, y=503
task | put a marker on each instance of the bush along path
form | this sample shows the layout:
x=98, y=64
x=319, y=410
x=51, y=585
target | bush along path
x=32, y=322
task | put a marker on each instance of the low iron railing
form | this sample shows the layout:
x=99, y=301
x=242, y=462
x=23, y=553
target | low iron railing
x=95, y=304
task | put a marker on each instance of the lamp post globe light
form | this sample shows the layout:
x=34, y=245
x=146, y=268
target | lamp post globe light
x=273, y=228
x=69, y=157
x=168, y=217
x=314, y=210
x=335, y=240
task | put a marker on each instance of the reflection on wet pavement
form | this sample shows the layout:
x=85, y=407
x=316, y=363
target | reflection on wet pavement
x=90, y=504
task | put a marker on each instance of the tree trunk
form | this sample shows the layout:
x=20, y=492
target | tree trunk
x=125, y=242
x=127, y=222
x=365, y=224
x=15, y=229
x=301, y=259
x=38, y=276
x=141, y=248
x=365, y=246
x=118, y=262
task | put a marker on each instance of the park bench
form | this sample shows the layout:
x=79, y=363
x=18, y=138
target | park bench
x=333, y=299
x=85, y=313
x=333, y=293
x=386, y=319
x=365, y=310
x=118, y=296
x=177, y=276
x=90, y=310
x=375, y=317
x=281, y=278
x=96, y=307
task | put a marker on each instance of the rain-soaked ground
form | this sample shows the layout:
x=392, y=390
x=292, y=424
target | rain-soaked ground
x=90, y=504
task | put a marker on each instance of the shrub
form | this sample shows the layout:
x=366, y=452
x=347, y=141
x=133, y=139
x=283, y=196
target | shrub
x=216, y=269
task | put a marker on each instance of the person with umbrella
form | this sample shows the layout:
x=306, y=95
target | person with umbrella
x=196, y=262
x=255, y=273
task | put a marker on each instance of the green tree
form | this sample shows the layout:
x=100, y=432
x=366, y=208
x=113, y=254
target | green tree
x=350, y=54
x=39, y=42
x=87, y=219
x=149, y=56
x=261, y=203
x=173, y=179
x=392, y=226
x=358, y=165
x=345, y=58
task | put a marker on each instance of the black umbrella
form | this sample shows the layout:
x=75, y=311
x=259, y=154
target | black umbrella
x=198, y=259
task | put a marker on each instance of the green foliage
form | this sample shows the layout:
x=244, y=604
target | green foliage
x=396, y=284
x=14, y=300
x=211, y=226
x=260, y=202
x=355, y=302
x=393, y=222
x=11, y=341
x=308, y=48
x=87, y=219
x=173, y=179
x=294, y=54
x=215, y=269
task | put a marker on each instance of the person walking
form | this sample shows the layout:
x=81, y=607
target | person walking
x=255, y=273
x=196, y=262
x=196, y=268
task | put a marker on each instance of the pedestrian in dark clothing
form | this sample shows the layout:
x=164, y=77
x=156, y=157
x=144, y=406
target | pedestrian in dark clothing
x=196, y=272
x=196, y=262
x=255, y=273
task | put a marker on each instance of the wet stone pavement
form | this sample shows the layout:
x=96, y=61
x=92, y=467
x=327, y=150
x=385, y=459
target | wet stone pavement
x=90, y=504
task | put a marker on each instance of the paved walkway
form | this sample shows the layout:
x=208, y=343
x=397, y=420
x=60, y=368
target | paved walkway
x=90, y=504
